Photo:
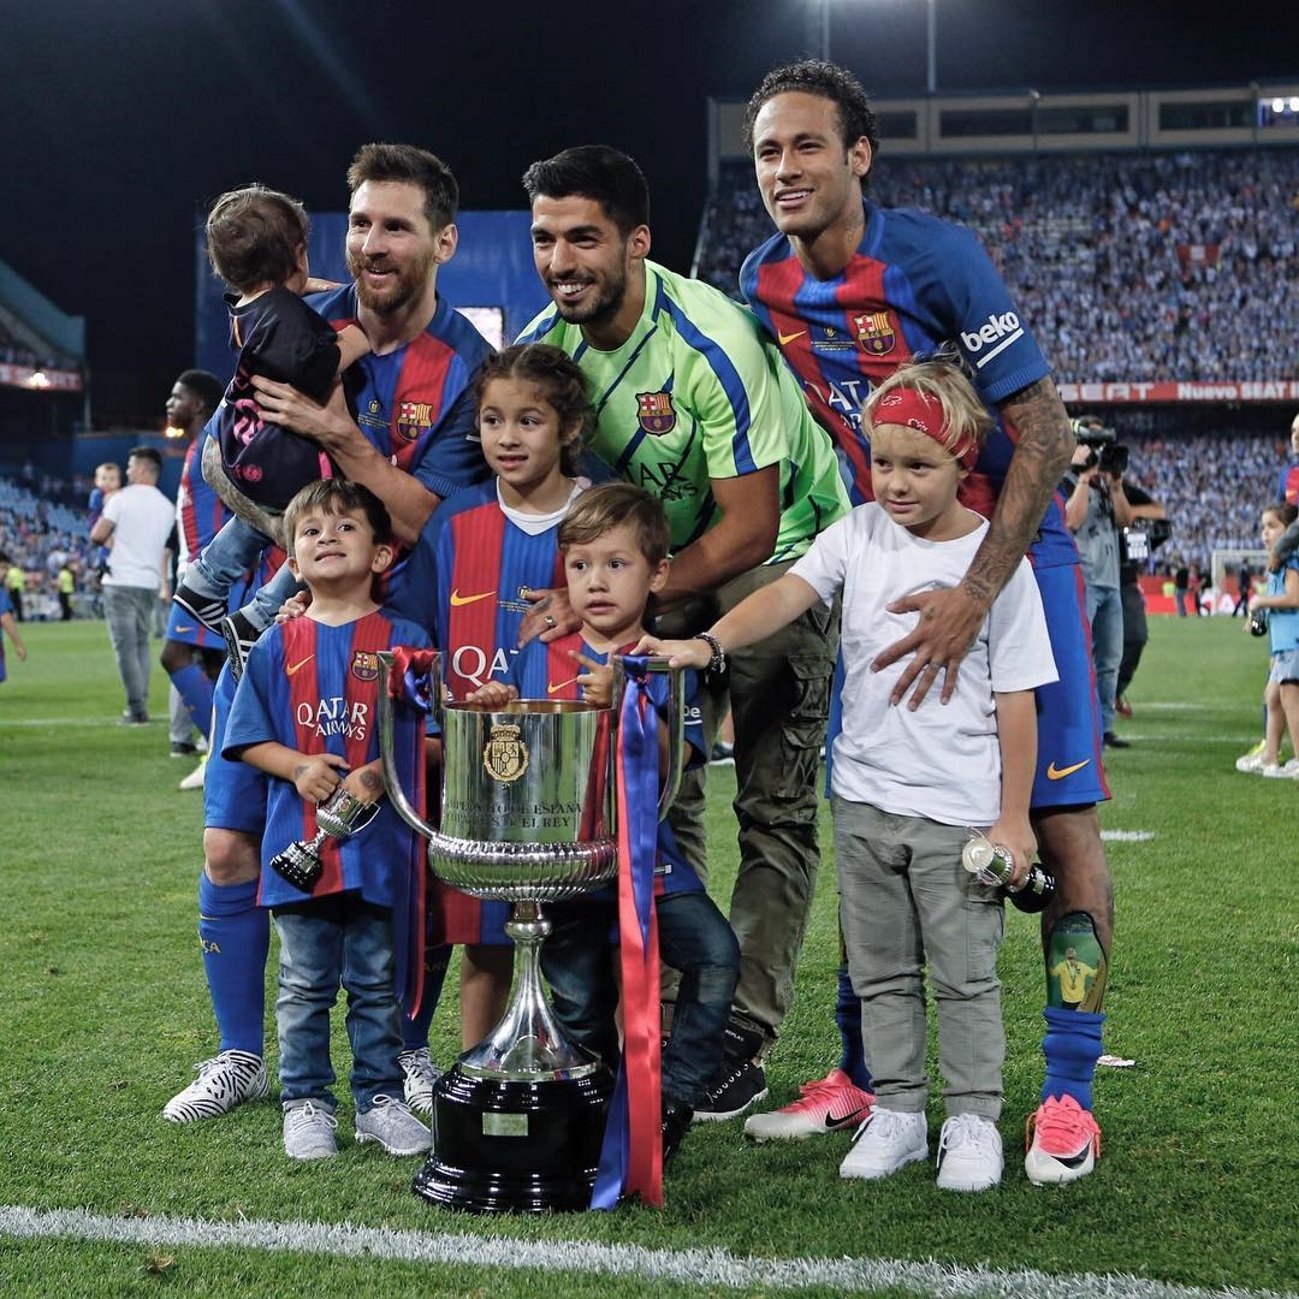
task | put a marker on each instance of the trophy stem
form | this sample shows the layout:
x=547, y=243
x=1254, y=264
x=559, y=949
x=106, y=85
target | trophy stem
x=528, y=1045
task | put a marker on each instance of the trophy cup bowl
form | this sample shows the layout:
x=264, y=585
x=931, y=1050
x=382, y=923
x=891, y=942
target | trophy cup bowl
x=528, y=816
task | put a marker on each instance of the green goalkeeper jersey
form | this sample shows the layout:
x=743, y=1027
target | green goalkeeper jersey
x=694, y=394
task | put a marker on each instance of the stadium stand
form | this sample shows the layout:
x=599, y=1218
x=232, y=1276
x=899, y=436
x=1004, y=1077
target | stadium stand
x=1131, y=266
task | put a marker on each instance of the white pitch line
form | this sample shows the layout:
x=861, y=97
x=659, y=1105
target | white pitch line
x=699, y=1267
x=1127, y=836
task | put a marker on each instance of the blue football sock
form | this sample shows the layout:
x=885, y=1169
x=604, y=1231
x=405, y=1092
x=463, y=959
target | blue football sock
x=195, y=689
x=235, y=934
x=1072, y=1045
x=414, y=1032
x=847, y=1014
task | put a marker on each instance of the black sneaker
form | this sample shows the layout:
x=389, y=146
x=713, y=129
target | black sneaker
x=240, y=636
x=183, y=749
x=203, y=607
x=1113, y=741
x=676, y=1123
x=740, y=1085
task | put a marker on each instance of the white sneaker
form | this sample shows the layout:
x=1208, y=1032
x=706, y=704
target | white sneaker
x=1252, y=762
x=223, y=1082
x=421, y=1072
x=394, y=1127
x=969, y=1154
x=309, y=1131
x=1289, y=771
x=196, y=777
x=887, y=1141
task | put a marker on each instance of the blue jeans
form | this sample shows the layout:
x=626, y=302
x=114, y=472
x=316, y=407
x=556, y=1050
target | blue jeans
x=234, y=551
x=694, y=939
x=335, y=940
x=1105, y=613
x=128, y=611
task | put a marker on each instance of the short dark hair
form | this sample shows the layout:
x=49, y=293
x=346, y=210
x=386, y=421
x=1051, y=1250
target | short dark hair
x=1284, y=511
x=556, y=374
x=253, y=236
x=601, y=509
x=204, y=385
x=413, y=166
x=338, y=496
x=146, y=453
x=829, y=81
x=594, y=171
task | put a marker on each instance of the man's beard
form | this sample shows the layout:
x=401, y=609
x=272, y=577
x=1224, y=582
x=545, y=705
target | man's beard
x=408, y=284
x=603, y=308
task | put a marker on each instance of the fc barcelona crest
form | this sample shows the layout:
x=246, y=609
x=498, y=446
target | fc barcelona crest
x=875, y=332
x=365, y=665
x=505, y=758
x=655, y=412
x=413, y=419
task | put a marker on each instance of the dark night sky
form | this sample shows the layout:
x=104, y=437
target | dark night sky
x=120, y=120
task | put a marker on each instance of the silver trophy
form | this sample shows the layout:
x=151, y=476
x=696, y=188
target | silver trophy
x=342, y=814
x=528, y=816
x=994, y=866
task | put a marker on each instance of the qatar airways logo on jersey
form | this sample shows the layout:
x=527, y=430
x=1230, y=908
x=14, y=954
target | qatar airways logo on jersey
x=998, y=334
x=844, y=399
x=335, y=716
x=474, y=664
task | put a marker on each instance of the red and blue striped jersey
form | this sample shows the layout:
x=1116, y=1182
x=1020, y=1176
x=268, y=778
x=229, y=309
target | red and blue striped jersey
x=549, y=671
x=915, y=284
x=1287, y=487
x=415, y=403
x=6, y=607
x=315, y=689
x=464, y=582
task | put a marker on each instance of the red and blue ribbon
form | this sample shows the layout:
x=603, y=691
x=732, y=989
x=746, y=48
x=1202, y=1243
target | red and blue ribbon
x=631, y=1159
x=411, y=683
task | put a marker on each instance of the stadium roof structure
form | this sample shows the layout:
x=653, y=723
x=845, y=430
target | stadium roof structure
x=41, y=347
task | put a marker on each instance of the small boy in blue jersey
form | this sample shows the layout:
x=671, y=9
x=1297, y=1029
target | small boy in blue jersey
x=306, y=714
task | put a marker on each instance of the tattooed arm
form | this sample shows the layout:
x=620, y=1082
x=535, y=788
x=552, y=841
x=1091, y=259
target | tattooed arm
x=950, y=620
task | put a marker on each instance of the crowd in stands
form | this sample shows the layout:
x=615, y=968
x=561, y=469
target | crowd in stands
x=1132, y=266
x=40, y=533
x=1213, y=489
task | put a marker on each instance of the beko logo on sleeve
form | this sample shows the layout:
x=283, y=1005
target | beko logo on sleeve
x=1002, y=330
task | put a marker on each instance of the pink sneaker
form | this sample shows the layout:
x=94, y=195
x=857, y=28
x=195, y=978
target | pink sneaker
x=830, y=1104
x=1063, y=1141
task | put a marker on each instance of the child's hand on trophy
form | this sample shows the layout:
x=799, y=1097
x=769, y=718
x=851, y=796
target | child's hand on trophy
x=365, y=784
x=492, y=694
x=596, y=683
x=316, y=775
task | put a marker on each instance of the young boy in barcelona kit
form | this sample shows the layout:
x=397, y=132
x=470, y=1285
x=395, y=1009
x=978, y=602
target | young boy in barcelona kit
x=305, y=713
x=908, y=783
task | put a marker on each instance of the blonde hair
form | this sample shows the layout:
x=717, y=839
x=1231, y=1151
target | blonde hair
x=965, y=417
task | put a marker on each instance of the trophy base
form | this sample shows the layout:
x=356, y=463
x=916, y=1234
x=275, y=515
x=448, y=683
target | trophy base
x=505, y=1146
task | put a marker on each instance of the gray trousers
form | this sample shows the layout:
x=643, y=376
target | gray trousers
x=906, y=901
x=129, y=612
x=779, y=694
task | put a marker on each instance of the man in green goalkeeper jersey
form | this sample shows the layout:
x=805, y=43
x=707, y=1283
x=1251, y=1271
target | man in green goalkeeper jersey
x=695, y=407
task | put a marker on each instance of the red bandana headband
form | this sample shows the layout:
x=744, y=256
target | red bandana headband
x=912, y=409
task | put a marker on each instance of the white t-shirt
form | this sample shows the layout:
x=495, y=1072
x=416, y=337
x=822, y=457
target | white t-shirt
x=142, y=519
x=941, y=761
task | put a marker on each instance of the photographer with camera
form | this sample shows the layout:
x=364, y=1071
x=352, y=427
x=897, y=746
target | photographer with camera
x=1096, y=508
x=1148, y=530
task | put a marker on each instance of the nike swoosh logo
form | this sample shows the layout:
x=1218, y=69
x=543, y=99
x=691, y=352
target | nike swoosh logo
x=833, y=1121
x=182, y=627
x=1059, y=773
x=554, y=687
x=782, y=338
x=457, y=599
x=302, y=663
